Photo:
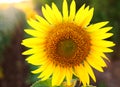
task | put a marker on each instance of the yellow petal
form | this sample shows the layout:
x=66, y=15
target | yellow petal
x=72, y=10
x=32, y=51
x=69, y=76
x=102, y=30
x=57, y=13
x=93, y=63
x=41, y=68
x=42, y=20
x=37, y=59
x=82, y=74
x=104, y=56
x=102, y=49
x=56, y=73
x=97, y=57
x=65, y=10
x=28, y=52
x=32, y=42
x=96, y=26
x=89, y=70
x=101, y=54
x=38, y=25
x=101, y=36
x=79, y=15
x=52, y=15
x=47, y=16
x=35, y=33
x=47, y=72
x=61, y=76
x=58, y=76
x=84, y=16
x=87, y=78
x=102, y=43
x=88, y=18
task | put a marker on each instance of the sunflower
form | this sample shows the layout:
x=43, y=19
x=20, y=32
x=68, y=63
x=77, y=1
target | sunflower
x=64, y=44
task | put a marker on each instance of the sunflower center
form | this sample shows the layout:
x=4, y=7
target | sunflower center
x=67, y=45
x=66, y=48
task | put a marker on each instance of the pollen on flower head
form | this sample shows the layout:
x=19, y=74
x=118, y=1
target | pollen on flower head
x=67, y=45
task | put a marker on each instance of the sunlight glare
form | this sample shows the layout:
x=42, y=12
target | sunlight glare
x=11, y=1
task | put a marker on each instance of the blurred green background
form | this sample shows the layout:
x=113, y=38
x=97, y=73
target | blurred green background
x=15, y=72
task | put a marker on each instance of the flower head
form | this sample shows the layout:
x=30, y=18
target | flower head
x=64, y=44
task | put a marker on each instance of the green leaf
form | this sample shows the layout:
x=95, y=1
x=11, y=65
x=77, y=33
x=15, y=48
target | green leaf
x=46, y=83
